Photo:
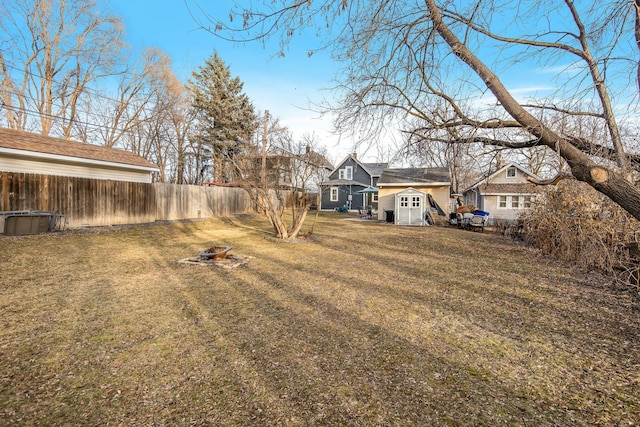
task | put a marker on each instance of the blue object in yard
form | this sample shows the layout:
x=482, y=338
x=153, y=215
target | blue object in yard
x=480, y=213
x=343, y=209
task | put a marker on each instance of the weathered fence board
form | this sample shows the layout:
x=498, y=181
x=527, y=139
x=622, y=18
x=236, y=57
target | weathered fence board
x=94, y=202
x=192, y=201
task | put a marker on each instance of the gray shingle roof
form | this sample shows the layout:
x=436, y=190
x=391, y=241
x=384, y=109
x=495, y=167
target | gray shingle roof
x=516, y=188
x=375, y=169
x=343, y=182
x=414, y=176
x=26, y=141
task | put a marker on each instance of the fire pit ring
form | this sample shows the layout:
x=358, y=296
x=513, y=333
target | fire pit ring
x=215, y=252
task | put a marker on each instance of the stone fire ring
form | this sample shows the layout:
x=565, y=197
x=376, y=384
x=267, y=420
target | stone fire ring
x=215, y=252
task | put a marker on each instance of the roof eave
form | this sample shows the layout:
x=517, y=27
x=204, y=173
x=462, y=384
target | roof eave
x=76, y=160
x=412, y=184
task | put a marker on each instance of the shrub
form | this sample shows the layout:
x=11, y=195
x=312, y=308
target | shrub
x=574, y=223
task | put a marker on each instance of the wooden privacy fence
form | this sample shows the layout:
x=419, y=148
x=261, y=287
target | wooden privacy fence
x=193, y=201
x=92, y=202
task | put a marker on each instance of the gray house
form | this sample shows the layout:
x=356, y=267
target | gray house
x=346, y=183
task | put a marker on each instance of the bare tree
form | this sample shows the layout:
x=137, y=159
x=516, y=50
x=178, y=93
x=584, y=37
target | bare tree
x=436, y=61
x=277, y=172
x=164, y=118
x=51, y=51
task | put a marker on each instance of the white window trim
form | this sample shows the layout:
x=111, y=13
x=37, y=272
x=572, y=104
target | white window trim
x=331, y=194
x=515, y=172
x=521, y=201
x=348, y=173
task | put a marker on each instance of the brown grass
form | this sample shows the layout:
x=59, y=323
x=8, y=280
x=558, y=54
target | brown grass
x=371, y=324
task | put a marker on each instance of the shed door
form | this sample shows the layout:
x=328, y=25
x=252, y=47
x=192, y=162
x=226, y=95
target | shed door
x=416, y=210
x=410, y=210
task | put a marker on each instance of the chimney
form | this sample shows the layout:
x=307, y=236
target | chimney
x=354, y=155
x=308, y=149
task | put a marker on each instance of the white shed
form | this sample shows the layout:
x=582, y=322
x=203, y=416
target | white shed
x=410, y=207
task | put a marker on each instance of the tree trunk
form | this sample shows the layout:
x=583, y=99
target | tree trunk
x=607, y=181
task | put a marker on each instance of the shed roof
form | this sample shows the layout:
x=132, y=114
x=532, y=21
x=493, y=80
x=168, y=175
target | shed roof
x=414, y=176
x=12, y=139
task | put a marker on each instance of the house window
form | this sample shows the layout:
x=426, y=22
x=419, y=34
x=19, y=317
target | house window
x=514, y=202
x=502, y=202
x=415, y=202
x=346, y=173
x=511, y=172
x=374, y=197
x=404, y=201
x=334, y=194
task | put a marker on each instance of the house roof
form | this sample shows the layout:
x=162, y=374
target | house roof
x=414, y=176
x=336, y=182
x=375, y=169
x=312, y=157
x=499, y=171
x=519, y=188
x=17, y=141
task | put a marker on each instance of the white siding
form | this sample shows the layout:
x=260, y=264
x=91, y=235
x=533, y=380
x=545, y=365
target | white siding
x=10, y=164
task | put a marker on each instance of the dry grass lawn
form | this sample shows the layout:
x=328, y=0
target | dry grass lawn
x=371, y=324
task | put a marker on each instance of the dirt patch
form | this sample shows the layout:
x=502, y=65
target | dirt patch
x=305, y=238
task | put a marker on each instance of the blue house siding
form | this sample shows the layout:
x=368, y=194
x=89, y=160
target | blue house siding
x=344, y=191
x=348, y=178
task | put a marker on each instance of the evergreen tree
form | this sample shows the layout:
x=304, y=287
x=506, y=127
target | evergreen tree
x=225, y=118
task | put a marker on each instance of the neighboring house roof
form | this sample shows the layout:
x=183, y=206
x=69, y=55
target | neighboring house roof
x=414, y=176
x=319, y=160
x=375, y=169
x=520, y=188
x=20, y=142
x=337, y=182
x=312, y=157
x=488, y=179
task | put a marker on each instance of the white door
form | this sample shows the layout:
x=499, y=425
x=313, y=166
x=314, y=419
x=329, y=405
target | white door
x=403, y=212
x=410, y=209
x=416, y=210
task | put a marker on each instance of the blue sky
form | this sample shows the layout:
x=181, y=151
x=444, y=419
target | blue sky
x=284, y=86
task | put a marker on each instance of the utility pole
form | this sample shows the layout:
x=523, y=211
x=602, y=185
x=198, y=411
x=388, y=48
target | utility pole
x=263, y=172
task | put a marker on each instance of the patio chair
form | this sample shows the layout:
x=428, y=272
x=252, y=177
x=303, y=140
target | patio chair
x=476, y=223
